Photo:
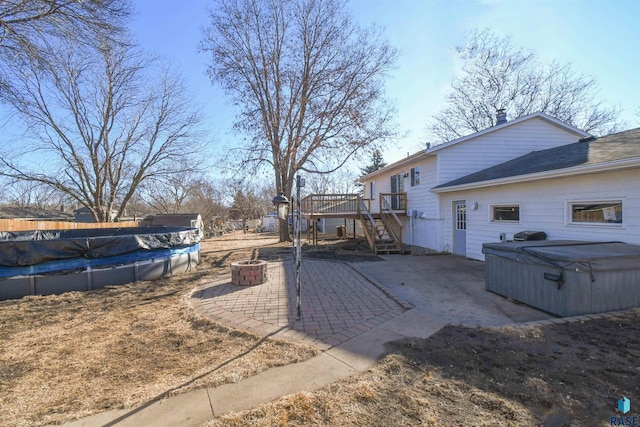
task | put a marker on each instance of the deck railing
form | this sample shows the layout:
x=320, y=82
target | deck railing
x=396, y=202
x=323, y=204
x=368, y=224
x=335, y=204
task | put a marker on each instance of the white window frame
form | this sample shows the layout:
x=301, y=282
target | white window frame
x=372, y=190
x=504, y=205
x=569, y=212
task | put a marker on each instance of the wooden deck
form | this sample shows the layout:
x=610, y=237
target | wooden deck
x=351, y=206
x=380, y=219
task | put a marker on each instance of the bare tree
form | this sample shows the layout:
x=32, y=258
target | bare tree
x=102, y=122
x=308, y=82
x=498, y=75
x=246, y=205
x=342, y=181
x=28, y=27
x=168, y=194
x=137, y=208
x=184, y=192
x=24, y=194
x=207, y=199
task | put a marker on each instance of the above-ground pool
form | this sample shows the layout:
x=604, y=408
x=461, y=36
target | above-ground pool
x=56, y=261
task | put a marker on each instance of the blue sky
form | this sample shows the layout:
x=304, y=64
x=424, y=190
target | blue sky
x=599, y=37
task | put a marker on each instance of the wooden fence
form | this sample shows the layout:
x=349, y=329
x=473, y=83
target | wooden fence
x=24, y=225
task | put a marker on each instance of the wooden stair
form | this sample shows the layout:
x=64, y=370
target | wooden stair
x=384, y=243
x=384, y=234
x=388, y=247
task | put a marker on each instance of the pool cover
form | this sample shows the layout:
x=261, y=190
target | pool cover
x=28, y=248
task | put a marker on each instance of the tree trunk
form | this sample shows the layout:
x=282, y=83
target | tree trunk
x=284, y=230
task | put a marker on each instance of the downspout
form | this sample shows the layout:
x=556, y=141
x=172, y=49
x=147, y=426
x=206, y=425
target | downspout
x=411, y=226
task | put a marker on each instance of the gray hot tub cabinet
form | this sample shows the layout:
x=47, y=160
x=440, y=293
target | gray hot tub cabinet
x=565, y=277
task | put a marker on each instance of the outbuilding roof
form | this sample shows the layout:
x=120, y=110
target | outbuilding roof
x=33, y=213
x=615, y=150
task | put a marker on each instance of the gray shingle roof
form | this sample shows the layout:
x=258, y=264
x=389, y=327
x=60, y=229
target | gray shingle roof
x=618, y=146
x=12, y=212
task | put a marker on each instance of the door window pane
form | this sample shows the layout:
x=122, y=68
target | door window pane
x=461, y=217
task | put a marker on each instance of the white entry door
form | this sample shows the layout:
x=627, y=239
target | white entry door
x=460, y=227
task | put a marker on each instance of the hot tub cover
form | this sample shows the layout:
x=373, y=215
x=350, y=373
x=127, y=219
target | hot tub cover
x=25, y=248
x=572, y=255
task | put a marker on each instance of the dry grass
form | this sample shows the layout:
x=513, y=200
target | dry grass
x=395, y=392
x=68, y=356
x=555, y=375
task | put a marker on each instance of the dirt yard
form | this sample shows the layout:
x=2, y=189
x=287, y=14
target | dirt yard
x=63, y=357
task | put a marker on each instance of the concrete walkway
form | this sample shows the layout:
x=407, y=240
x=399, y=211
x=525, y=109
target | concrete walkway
x=348, y=311
x=448, y=287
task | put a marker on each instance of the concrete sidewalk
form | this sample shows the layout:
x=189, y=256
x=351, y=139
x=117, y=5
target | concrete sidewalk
x=195, y=408
x=348, y=310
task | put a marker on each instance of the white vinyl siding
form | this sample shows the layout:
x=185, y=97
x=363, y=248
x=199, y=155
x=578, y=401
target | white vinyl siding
x=426, y=228
x=381, y=184
x=544, y=205
x=429, y=224
x=497, y=147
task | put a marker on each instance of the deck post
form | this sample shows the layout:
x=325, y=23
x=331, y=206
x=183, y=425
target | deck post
x=297, y=230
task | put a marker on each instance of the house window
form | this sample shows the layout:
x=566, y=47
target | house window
x=505, y=213
x=372, y=190
x=415, y=176
x=596, y=212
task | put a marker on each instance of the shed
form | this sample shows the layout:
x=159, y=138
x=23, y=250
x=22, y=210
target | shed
x=193, y=220
x=270, y=222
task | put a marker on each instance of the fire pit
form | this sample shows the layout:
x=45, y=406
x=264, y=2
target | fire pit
x=248, y=273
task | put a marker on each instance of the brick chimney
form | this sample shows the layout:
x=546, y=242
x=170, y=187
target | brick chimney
x=501, y=116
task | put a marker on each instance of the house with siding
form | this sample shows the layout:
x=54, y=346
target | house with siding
x=511, y=177
x=587, y=190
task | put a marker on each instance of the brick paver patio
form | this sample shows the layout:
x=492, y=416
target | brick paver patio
x=337, y=303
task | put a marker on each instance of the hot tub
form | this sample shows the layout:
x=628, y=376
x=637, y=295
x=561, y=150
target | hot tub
x=57, y=261
x=565, y=277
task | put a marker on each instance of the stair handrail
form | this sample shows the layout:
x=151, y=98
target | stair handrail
x=365, y=215
x=394, y=228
